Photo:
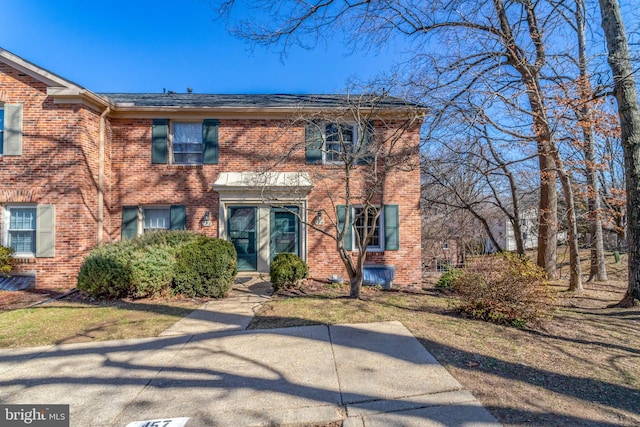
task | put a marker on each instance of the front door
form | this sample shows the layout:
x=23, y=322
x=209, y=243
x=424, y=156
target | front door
x=285, y=231
x=242, y=233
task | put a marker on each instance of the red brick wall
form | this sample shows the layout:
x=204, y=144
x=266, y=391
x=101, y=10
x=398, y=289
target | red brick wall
x=58, y=166
x=255, y=145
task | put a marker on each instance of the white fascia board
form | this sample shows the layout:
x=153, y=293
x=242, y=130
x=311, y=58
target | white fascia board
x=63, y=95
x=34, y=71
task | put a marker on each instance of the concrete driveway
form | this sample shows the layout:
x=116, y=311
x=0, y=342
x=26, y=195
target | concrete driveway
x=373, y=374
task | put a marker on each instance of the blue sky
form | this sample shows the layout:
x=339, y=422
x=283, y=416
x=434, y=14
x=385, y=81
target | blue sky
x=145, y=46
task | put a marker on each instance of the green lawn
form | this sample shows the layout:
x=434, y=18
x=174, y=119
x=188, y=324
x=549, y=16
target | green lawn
x=77, y=321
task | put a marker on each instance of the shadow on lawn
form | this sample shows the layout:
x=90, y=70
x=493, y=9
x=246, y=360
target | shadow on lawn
x=166, y=309
x=591, y=390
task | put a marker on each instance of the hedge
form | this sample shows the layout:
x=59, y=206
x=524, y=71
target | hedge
x=287, y=271
x=150, y=264
x=205, y=267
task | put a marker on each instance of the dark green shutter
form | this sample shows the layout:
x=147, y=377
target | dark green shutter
x=178, y=217
x=45, y=231
x=366, y=152
x=313, y=142
x=129, y=222
x=391, y=228
x=210, y=141
x=160, y=141
x=12, y=130
x=348, y=239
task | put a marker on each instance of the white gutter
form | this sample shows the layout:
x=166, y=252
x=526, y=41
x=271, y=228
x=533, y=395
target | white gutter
x=101, y=149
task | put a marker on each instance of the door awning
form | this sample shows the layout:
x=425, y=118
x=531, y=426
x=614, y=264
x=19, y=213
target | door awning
x=263, y=182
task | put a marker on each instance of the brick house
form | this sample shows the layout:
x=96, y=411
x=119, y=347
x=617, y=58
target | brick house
x=79, y=169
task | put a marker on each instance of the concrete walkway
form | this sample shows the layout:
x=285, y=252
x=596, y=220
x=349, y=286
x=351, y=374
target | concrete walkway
x=373, y=374
x=228, y=314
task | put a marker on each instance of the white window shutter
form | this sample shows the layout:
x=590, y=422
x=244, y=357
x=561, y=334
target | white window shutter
x=45, y=231
x=12, y=130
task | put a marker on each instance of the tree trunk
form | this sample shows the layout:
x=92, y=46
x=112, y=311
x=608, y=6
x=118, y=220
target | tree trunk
x=517, y=225
x=548, y=207
x=513, y=187
x=575, y=274
x=530, y=73
x=629, y=112
x=598, y=267
x=355, y=283
x=517, y=234
x=548, y=221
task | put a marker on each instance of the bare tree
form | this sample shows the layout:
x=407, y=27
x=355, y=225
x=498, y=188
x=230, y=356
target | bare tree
x=355, y=150
x=493, y=32
x=598, y=270
x=629, y=112
x=451, y=181
x=497, y=45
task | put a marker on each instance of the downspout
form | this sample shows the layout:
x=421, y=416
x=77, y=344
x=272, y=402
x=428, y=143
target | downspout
x=101, y=143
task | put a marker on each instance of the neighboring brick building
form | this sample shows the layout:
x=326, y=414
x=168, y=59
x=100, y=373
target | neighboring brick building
x=78, y=169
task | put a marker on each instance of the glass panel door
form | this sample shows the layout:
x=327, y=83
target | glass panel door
x=242, y=233
x=285, y=231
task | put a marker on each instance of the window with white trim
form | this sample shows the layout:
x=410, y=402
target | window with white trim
x=137, y=220
x=20, y=229
x=186, y=143
x=368, y=217
x=339, y=142
x=156, y=218
x=339, y=139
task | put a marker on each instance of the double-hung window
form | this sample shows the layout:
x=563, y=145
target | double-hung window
x=137, y=220
x=365, y=221
x=21, y=229
x=340, y=140
x=385, y=229
x=156, y=218
x=186, y=143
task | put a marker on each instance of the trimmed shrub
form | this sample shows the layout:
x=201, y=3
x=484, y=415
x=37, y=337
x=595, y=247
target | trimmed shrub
x=171, y=238
x=287, y=271
x=205, y=267
x=106, y=272
x=151, y=270
x=5, y=260
x=503, y=288
x=445, y=281
x=140, y=267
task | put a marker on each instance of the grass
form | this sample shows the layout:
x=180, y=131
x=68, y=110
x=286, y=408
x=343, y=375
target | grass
x=581, y=368
x=80, y=319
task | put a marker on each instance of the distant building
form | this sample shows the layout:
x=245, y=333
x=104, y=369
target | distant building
x=503, y=232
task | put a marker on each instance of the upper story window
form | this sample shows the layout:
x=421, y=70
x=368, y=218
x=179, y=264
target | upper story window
x=338, y=142
x=339, y=139
x=186, y=143
x=20, y=226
